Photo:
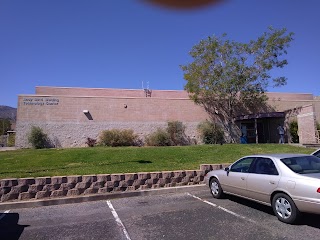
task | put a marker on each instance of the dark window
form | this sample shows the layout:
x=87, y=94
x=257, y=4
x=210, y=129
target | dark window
x=264, y=166
x=317, y=154
x=303, y=165
x=242, y=165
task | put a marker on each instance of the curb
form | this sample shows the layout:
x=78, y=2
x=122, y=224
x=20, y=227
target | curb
x=90, y=198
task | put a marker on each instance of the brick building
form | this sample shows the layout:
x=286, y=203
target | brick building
x=69, y=115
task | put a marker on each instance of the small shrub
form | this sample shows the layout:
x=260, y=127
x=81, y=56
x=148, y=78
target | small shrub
x=37, y=138
x=318, y=126
x=11, y=140
x=117, y=137
x=159, y=138
x=176, y=131
x=211, y=133
x=293, y=129
x=91, y=142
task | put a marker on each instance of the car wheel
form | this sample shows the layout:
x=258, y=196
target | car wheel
x=215, y=188
x=284, y=208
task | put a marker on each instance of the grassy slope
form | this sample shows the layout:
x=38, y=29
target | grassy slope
x=99, y=160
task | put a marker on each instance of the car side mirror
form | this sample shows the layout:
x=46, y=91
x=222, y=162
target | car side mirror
x=227, y=169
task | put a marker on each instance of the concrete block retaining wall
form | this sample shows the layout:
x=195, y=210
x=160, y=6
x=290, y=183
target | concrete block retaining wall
x=22, y=189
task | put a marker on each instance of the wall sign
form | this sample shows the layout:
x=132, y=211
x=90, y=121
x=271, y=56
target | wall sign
x=36, y=101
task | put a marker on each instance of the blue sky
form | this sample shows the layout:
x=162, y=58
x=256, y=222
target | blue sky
x=120, y=44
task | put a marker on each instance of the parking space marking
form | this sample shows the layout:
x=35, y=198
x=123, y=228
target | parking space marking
x=4, y=214
x=118, y=220
x=222, y=208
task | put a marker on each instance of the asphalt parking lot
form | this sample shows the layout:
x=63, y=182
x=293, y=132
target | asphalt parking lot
x=187, y=215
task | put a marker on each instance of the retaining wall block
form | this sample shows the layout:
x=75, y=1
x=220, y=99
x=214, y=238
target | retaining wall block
x=19, y=189
x=155, y=186
x=103, y=177
x=190, y=173
x=59, y=180
x=4, y=190
x=177, y=174
x=167, y=174
x=152, y=181
x=154, y=175
x=130, y=182
x=26, y=196
x=74, y=179
x=90, y=191
x=34, y=188
x=186, y=179
x=224, y=165
x=138, y=182
x=105, y=190
x=132, y=188
x=97, y=184
x=176, y=179
x=109, y=184
x=143, y=175
x=26, y=181
x=42, y=180
x=163, y=181
x=123, y=184
x=117, y=177
x=42, y=194
x=200, y=173
x=143, y=187
x=9, y=196
x=116, y=189
x=73, y=192
x=130, y=176
x=89, y=178
x=10, y=182
x=66, y=186
x=51, y=187
x=59, y=193
x=82, y=185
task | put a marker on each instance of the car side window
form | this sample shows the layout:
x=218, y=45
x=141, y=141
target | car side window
x=264, y=166
x=317, y=154
x=242, y=165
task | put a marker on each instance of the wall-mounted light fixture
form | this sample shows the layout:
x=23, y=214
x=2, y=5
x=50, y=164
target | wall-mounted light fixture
x=125, y=106
x=85, y=111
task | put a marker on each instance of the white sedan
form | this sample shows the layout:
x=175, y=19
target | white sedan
x=289, y=183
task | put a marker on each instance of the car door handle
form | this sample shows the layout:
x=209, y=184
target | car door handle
x=242, y=178
x=272, y=182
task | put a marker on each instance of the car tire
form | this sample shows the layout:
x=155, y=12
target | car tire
x=285, y=209
x=216, y=189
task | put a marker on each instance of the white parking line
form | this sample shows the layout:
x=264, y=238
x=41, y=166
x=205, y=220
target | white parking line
x=119, y=222
x=4, y=214
x=222, y=208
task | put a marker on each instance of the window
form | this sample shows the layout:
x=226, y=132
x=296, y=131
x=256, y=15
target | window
x=303, y=165
x=264, y=166
x=242, y=165
x=317, y=153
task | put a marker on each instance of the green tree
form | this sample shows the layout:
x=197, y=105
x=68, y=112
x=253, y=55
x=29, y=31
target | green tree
x=5, y=125
x=293, y=129
x=229, y=78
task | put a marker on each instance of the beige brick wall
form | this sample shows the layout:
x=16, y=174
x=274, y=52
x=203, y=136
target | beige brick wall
x=59, y=112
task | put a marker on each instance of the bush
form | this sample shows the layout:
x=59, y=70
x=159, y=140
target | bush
x=176, y=131
x=159, y=138
x=117, y=137
x=12, y=140
x=91, y=142
x=211, y=133
x=293, y=129
x=318, y=126
x=37, y=138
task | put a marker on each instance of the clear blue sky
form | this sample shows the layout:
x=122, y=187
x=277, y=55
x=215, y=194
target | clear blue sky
x=120, y=43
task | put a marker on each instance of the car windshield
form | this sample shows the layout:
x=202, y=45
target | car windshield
x=303, y=164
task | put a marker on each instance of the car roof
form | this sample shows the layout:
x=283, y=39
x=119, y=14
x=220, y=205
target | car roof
x=279, y=155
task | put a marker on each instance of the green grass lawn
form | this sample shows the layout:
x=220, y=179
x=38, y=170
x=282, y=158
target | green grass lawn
x=101, y=160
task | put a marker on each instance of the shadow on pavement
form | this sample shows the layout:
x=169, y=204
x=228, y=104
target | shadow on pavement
x=311, y=220
x=9, y=227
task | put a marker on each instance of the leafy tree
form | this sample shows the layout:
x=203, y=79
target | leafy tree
x=293, y=129
x=5, y=125
x=229, y=78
